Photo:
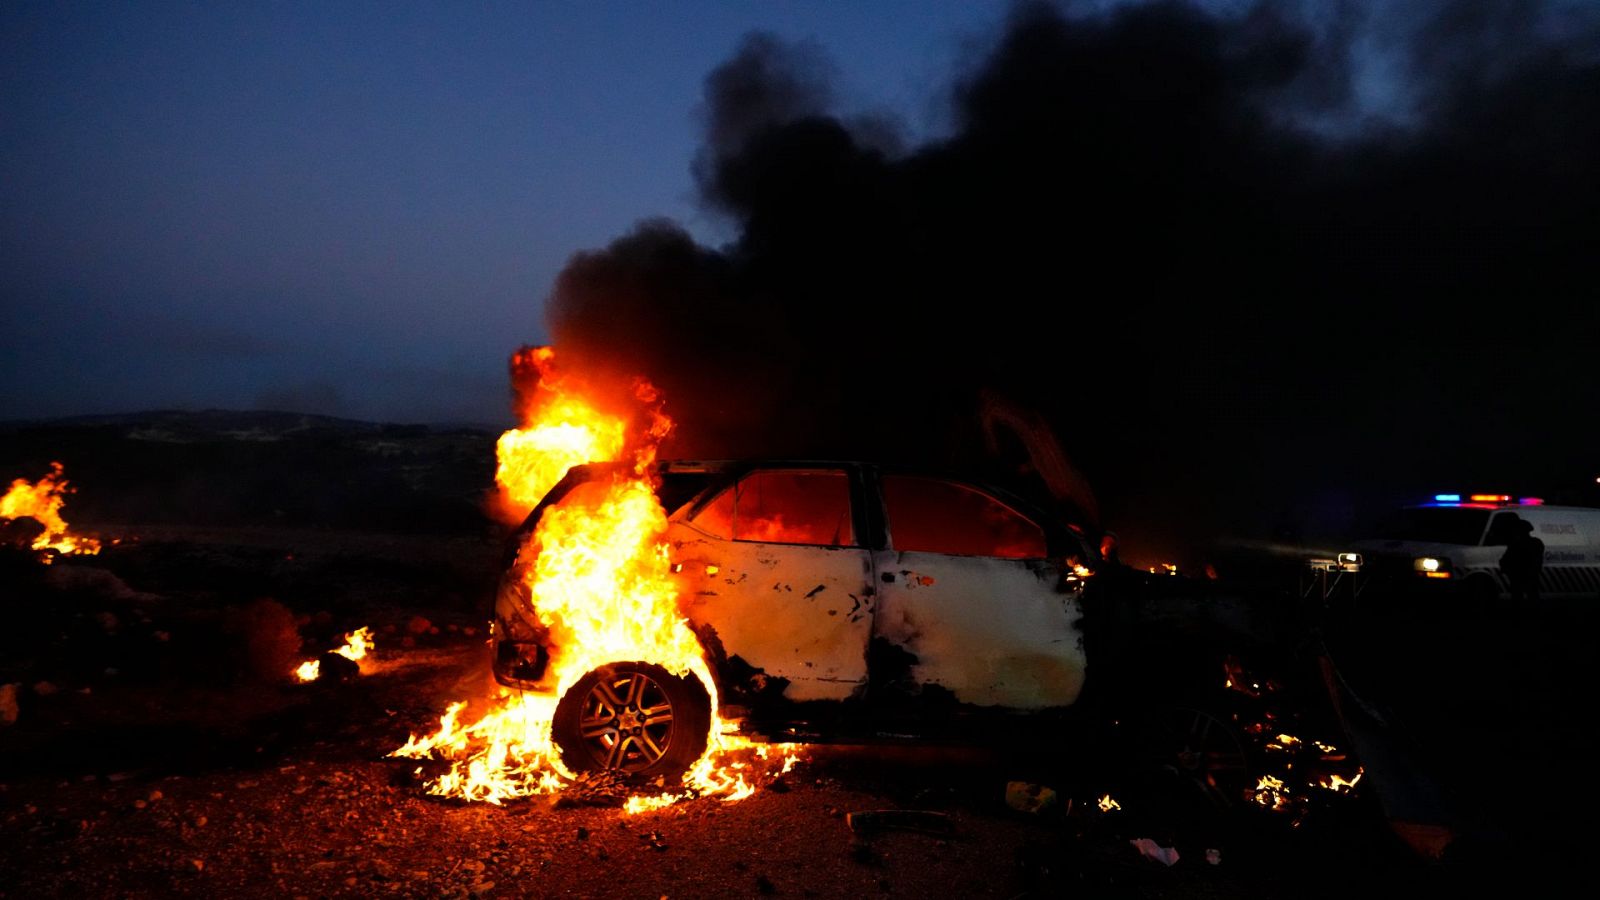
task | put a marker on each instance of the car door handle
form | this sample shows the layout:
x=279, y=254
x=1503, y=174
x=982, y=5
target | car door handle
x=888, y=578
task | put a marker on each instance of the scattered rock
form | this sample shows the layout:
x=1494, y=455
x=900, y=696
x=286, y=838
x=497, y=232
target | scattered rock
x=90, y=580
x=335, y=668
x=419, y=625
x=270, y=638
x=155, y=795
x=44, y=688
x=8, y=704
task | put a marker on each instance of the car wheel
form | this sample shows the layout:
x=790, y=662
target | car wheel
x=1192, y=757
x=633, y=718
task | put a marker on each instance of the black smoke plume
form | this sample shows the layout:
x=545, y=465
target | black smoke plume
x=1245, y=293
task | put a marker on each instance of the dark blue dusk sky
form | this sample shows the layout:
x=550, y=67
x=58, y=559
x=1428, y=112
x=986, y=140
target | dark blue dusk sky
x=358, y=209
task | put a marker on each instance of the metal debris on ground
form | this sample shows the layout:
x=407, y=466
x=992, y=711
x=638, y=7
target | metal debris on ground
x=921, y=821
x=1155, y=852
x=1029, y=798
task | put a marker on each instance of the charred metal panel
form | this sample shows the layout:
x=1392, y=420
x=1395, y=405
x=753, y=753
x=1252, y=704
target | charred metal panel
x=795, y=612
x=513, y=605
x=993, y=632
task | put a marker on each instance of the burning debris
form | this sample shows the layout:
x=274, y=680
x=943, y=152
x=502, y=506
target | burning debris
x=42, y=501
x=601, y=580
x=357, y=644
x=1293, y=770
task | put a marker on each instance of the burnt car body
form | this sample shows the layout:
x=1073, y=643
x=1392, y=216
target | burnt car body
x=845, y=601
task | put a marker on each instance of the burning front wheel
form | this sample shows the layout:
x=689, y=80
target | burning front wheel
x=635, y=718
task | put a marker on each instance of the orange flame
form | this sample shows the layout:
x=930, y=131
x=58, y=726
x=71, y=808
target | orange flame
x=560, y=430
x=1107, y=803
x=1271, y=793
x=356, y=645
x=1339, y=784
x=42, y=502
x=599, y=577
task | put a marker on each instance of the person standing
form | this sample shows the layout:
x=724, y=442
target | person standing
x=1523, y=561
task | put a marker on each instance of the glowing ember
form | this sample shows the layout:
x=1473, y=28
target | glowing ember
x=1340, y=785
x=597, y=571
x=42, y=502
x=309, y=670
x=1271, y=793
x=1107, y=804
x=1284, y=742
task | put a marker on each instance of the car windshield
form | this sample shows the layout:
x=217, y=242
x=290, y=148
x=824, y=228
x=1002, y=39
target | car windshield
x=1435, y=524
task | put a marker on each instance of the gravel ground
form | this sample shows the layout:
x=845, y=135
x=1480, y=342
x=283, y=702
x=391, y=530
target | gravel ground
x=159, y=749
x=297, y=799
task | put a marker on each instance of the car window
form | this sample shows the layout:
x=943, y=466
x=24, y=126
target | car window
x=936, y=516
x=784, y=506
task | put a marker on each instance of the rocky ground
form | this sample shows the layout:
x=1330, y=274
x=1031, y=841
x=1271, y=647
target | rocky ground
x=160, y=748
x=153, y=742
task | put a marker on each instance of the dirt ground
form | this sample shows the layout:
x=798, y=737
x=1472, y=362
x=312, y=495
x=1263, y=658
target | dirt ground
x=161, y=749
x=152, y=742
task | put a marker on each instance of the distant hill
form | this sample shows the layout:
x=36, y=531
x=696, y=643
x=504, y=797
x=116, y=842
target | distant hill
x=212, y=423
x=227, y=467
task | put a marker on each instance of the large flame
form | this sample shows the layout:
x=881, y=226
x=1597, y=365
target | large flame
x=560, y=430
x=599, y=575
x=42, y=501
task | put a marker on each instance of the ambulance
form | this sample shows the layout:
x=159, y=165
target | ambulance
x=1456, y=541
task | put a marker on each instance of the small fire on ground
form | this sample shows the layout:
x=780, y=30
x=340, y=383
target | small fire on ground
x=42, y=501
x=356, y=645
x=600, y=577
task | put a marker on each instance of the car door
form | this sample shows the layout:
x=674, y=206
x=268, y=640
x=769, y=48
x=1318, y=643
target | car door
x=969, y=602
x=773, y=571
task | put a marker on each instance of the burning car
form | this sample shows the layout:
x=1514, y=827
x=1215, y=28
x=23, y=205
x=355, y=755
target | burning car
x=831, y=600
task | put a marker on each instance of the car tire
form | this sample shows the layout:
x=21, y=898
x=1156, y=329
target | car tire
x=633, y=718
